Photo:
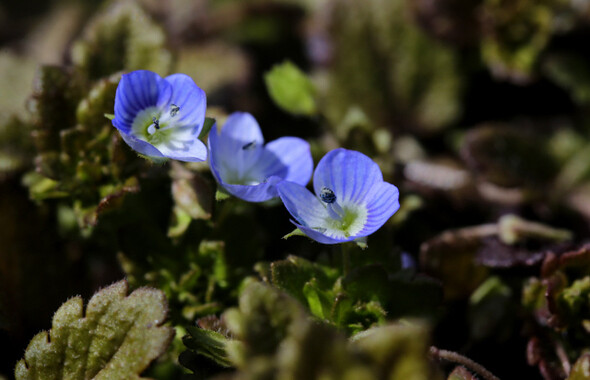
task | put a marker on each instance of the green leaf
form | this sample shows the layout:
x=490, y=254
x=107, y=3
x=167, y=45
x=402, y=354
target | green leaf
x=316, y=300
x=207, y=125
x=491, y=311
x=295, y=232
x=109, y=116
x=581, y=370
x=398, y=349
x=221, y=195
x=575, y=300
x=179, y=225
x=116, y=337
x=293, y=273
x=208, y=343
x=291, y=89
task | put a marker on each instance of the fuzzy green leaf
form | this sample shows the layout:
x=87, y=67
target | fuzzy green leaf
x=116, y=337
x=208, y=343
x=293, y=273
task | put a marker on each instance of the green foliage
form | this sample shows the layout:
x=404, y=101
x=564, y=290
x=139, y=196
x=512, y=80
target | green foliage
x=291, y=89
x=491, y=311
x=362, y=298
x=193, y=198
x=516, y=32
x=273, y=338
x=509, y=157
x=390, y=68
x=210, y=344
x=207, y=125
x=570, y=72
x=116, y=337
x=195, y=281
x=581, y=368
x=121, y=37
x=80, y=155
x=559, y=301
x=15, y=145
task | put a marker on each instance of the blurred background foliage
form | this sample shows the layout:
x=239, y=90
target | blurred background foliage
x=478, y=110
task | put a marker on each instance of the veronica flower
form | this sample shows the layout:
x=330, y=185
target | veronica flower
x=250, y=170
x=351, y=199
x=161, y=117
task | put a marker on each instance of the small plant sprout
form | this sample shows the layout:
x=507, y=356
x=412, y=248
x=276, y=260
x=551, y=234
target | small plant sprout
x=250, y=170
x=352, y=199
x=161, y=118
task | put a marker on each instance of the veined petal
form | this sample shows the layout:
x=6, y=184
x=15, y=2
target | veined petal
x=193, y=150
x=349, y=174
x=320, y=237
x=289, y=158
x=186, y=107
x=236, y=148
x=254, y=193
x=305, y=207
x=137, y=91
x=140, y=146
x=382, y=203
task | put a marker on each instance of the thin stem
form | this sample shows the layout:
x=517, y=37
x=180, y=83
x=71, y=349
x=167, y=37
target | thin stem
x=462, y=360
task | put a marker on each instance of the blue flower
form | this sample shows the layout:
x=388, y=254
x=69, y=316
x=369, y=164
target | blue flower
x=351, y=200
x=250, y=170
x=161, y=117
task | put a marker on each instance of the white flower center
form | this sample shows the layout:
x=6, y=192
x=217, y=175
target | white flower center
x=343, y=220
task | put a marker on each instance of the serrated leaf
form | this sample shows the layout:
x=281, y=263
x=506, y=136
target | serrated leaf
x=291, y=89
x=116, y=337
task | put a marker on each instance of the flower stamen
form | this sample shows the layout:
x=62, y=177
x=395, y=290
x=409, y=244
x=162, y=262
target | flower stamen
x=329, y=198
x=174, y=110
x=249, y=146
x=154, y=126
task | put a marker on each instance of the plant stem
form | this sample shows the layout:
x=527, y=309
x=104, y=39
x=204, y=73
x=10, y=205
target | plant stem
x=462, y=360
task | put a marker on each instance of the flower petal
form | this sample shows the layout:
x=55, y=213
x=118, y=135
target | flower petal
x=305, y=207
x=193, y=151
x=137, y=91
x=320, y=237
x=190, y=100
x=236, y=148
x=140, y=146
x=254, y=193
x=382, y=203
x=288, y=158
x=349, y=174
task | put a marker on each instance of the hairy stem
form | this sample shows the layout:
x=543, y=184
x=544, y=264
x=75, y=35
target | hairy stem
x=462, y=360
